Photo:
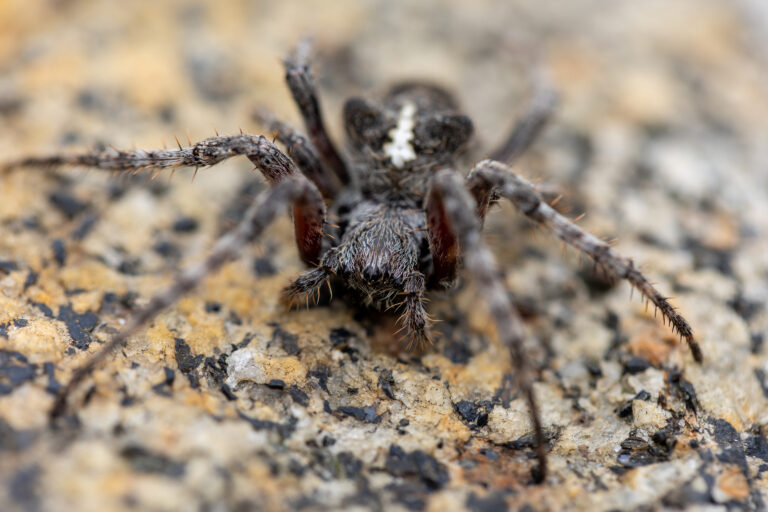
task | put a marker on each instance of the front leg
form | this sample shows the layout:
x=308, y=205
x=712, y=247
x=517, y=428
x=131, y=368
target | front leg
x=489, y=178
x=274, y=165
x=454, y=204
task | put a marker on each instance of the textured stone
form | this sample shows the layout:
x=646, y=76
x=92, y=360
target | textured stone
x=228, y=402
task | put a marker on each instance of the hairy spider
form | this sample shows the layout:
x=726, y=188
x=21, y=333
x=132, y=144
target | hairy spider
x=406, y=219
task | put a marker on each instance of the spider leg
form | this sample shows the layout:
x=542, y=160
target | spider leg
x=273, y=164
x=447, y=196
x=530, y=125
x=414, y=319
x=302, y=86
x=264, y=209
x=490, y=177
x=443, y=245
x=301, y=151
x=306, y=286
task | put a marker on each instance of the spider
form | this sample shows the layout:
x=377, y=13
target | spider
x=407, y=221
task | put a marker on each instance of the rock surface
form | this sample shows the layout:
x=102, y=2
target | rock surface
x=228, y=402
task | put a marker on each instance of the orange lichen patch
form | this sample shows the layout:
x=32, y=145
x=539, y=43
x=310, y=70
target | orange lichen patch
x=40, y=340
x=235, y=288
x=206, y=332
x=63, y=69
x=508, y=470
x=732, y=483
x=654, y=344
x=206, y=401
x=645, y=95
x=160, y=346
x=722, y=232
x=91, y=275
x=9, y=309
x=87, y=301
x=573, y=65
x=482, y=374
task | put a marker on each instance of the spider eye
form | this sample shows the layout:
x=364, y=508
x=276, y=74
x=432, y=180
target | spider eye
x=443, y=133
x=364, y=123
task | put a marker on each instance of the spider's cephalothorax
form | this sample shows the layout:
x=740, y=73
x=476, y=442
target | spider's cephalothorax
x=403, y=218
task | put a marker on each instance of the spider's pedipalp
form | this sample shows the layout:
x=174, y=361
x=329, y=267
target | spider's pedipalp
x=448, y=195
x=490, y=177
x=260, y=214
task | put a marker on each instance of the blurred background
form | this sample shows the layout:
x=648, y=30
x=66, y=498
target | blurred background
x=660, y=137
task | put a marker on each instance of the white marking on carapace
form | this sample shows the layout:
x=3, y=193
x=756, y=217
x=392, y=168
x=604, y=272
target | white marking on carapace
x=399, y=148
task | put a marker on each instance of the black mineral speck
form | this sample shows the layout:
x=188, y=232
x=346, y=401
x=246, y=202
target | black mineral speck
x=757, y=446
x=339, y=336
x=45, y=310
x=276, y=384
x=709, y=257
x=79, y=326
x=474, y=414
x=145, y=461
x=263, y=267
x=59, y=251
x=492, y=502
x=367, y=414
x=457, y=352
x=31, y=280
x=298, y=396
x=15, y=440
x=67, y=204
x=163, y=387
x=20, y=322
x=625, y=410
x=284, y=429
x=350, y=466
x=6, y=267
x=212, y=307
x=684, y=390
x=85, y=227
x=15, y=370
x=387, y=383
x=636, y=451
x=185, y=225
x=289, y=342
x=416, y=464
x=187, y=362
x=729, y=441
x=53, y=386
x=411, y=494
x=762, y=379
x=23, y=488
x=227, y=392
x=635, y=364
x=322, y=374
x=130, y=266
x=167, y=250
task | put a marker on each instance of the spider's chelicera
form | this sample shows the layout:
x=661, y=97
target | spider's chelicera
x=404, y=219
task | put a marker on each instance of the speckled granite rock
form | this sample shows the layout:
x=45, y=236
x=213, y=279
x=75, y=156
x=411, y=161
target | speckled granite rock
x=227, y=402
